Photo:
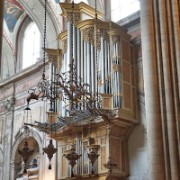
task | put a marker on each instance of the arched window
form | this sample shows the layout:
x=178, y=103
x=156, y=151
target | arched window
x=121, y=8
x=31, y=45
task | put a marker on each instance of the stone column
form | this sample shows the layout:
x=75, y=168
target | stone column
x=170, y=84
x=152, y=101
x=176, y=29
x=107, y=11
x=1, y=26
x=160, y=42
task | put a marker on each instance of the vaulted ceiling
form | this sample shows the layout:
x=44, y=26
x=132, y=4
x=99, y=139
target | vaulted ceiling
x=12, y=12
x=17, y=11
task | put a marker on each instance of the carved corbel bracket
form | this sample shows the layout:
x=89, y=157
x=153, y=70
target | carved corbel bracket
x=54, y=56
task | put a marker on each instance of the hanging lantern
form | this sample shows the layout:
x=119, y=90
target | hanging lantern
x=72, y=157
x=50, y=150
x=92, y=155
x=25, y=153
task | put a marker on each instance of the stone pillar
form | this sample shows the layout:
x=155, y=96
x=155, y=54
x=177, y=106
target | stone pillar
x=12, y=167
x=107, y=11
x=176, y=29
x=170, y=84
x=1, y=26
x=152, y=101
x=160, y=51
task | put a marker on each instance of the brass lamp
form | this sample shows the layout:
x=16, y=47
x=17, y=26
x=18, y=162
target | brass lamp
x=72, y=157
x=92, y=155
x=25, y=153
x=50, y=150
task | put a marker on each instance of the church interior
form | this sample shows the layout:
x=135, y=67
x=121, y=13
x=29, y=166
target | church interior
x=90, y=89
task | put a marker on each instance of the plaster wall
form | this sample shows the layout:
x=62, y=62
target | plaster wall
x=137, y=143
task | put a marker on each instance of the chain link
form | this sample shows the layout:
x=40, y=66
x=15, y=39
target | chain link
x=44, y=38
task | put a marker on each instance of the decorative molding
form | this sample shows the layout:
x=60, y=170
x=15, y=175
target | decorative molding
x=88, y=35
x=80, y=8
x=75, y=19
x=116, y=68
x=9, y=103
x=54, y=56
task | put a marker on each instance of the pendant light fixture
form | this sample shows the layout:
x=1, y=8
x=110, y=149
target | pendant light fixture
x=46, y=90
x=71, y=155
x=25, y=152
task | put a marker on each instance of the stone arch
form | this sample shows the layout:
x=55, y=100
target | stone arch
x=20, y=44
x=35, y=10
x=1, y=162
x=34, y=139
x=7, y=62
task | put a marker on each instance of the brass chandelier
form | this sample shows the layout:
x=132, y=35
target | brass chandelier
x=25, y=152
x=83, y=104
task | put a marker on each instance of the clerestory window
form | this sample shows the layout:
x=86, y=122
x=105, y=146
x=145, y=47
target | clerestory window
x=121, y=8
x=31, y=43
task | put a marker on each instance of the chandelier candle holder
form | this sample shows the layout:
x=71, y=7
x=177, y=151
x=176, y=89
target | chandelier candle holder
x=72, y=157
x=50, y=150
x=25, y=153
x=93, y=155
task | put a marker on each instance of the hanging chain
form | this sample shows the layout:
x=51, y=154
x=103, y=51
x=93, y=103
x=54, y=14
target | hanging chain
x=72, y=25
x=96, y=61
x=72, y=50
x=95, y=6
x=109, y=133
x=44, y=38
x=26, y=127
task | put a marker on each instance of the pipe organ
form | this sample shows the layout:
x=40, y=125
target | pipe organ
x=104, y=59
x=103, y=55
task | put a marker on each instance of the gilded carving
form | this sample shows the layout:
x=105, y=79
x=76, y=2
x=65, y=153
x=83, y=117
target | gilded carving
x=64, y=46
x=53, y=58
x=105, y=35
x=116, y=68
x=73, y=19
x=90, y=36
x=115, y=39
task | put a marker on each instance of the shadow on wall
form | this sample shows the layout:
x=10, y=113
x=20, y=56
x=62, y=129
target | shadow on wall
x=138, y=157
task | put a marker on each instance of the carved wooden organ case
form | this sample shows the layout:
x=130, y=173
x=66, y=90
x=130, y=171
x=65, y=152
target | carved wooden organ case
x=114, y=73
